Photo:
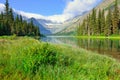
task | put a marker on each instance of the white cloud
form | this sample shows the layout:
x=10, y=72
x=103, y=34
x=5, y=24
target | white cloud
x=77, y=7
x=72, y=9
x=29, y=15
x=59, y=18
x=2, y=6
x=54, y=18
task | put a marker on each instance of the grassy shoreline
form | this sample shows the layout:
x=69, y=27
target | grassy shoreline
x=92, y=37
x=26, y=58
x=99, y=37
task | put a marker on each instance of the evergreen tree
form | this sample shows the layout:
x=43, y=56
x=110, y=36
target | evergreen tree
x=7, y=9
x=1, y=16
x=103, y=22
x=11, y=15
x=1, y=23
x=83, y=27
x=15, y=25
x=115, y=19
x=21, y=20
x=11, y=20
x=93, y=22
x=119, y=27
x=99, y=21
x=78, y=30
x=108, y=28
x=88, y=25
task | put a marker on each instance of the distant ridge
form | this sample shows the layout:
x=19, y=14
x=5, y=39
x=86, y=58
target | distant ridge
x=42, y=29
x=71, y=26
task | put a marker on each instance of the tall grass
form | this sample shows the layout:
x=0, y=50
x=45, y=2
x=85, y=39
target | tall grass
x=26, y=58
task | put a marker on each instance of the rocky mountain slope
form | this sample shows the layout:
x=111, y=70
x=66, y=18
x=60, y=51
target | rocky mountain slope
x=42, y=27
x=72, y=25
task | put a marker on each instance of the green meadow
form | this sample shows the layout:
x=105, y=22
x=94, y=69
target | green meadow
x=25, y=58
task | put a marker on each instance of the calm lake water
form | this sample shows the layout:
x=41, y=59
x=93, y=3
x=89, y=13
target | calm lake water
x=102, y=46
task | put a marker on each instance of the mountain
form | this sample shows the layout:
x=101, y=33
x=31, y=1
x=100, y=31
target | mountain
x=71, y=26
x=43, y=24
x=53, y=27
x=68, y=27
x=42, y=28
x=46, y=26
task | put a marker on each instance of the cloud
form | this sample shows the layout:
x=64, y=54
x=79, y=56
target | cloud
x=59, y=18
x=72, y=9
x=77, y=7
x=54, y=18
x=29, y=15
x=2, y=6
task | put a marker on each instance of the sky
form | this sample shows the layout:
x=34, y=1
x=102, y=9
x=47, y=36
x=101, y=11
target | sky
x=55, y=10
x=43, y=7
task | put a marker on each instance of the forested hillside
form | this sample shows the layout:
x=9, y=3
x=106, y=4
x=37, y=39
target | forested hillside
x=10, y=24
x=101, y=23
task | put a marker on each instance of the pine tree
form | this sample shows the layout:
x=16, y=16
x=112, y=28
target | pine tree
x=37, y=33
x=103, y=22
x=11, y=14
x=119, y=24
x=7, y=9
x=99, y=22
x=1, y=16
x=21, y=20
x=102, y=25
x=108, y=27
x=93, y=21
x=11, y=20
x=31, y=28
x=115, y=19
x=83, y=27
x=9, y=24
x=79, y=30
x=88, y=25
x=17, y=25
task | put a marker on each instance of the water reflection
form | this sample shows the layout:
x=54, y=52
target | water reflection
x=102, y=46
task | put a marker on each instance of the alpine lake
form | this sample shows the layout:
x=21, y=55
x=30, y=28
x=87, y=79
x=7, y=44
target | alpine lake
x=109, y=47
